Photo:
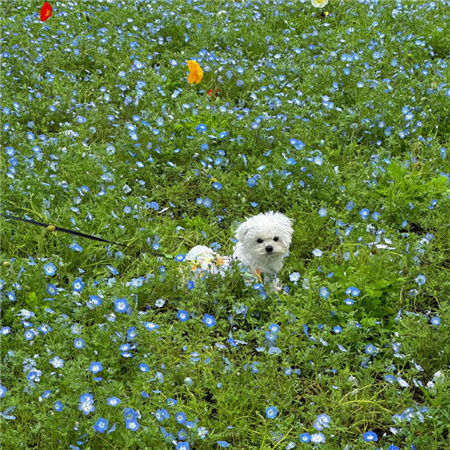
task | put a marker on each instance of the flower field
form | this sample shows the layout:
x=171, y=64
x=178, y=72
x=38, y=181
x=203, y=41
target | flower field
x=161, y=125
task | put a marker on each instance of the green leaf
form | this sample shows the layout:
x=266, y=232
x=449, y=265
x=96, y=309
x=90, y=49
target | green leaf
x=32, y=300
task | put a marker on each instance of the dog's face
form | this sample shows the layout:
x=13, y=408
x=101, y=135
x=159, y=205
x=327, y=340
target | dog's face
x=266, y=235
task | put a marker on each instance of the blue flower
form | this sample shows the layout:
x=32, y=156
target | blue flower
x=51, y=289
x=161, y=414
x=271, y=412
x=78, y=343
x=150, y=326
x=95, y=300
x=201, y=128
x=421, y=280
x=376, y=216
x=57, y=362
x=58, y=405
x=171, y=401
x=34, y=375
x=209, y=321
x=101, y=425
x=95, y=367
x=180, y=417
x=271, y=336
x=49, y=269
x=86, y=403
x=131, y=333
x=3, y=391
x=389, y=378
x=295, y=276
x=435, y=321
x=223, y=444
x=76, y=247
x=29, y=334
x=321, y=422
x=364, y=213
x=305, y=437
x=201, y=433
x=350, y=205
x=318, y=438
x=370, y=349
x=113, y=401
x=274, y=328
x=78, y=285
x=354, y=292
x=132, y=424
x=324, y=292
x=183, y=315
x=46, y=394
x=370, y=436
x=121, y=305
x=183, y=445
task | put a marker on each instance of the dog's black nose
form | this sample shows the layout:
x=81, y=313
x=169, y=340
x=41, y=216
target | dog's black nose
x=269, y=249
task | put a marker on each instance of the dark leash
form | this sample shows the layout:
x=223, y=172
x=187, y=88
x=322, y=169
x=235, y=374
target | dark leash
x=74, y=232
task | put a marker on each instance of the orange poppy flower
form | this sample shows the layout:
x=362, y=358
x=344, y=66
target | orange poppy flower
x=195, y=72
x=46, y=11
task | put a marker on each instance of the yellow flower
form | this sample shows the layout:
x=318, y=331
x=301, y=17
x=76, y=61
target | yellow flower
x=195, y=72
x=220, y=261
x=319, y=3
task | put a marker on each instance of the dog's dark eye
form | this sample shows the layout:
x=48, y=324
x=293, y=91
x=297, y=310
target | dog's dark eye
x=276, y=238
x=260, y=241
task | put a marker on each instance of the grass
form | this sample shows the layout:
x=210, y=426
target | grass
x=102, y=134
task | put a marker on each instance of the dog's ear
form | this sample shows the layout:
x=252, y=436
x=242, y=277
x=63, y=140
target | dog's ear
x=242, y=231
x=287, y=223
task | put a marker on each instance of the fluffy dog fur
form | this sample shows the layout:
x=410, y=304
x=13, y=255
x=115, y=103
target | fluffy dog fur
x=264, y=242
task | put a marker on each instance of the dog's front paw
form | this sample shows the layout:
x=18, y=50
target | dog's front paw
x=276, y=285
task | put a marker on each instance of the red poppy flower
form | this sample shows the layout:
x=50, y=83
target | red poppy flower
x=46, y=11
x=213, y=92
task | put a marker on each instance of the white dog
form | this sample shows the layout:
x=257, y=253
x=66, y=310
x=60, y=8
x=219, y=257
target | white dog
x=264, y=242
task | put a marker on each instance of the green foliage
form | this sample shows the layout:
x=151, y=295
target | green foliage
x=288, y=60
